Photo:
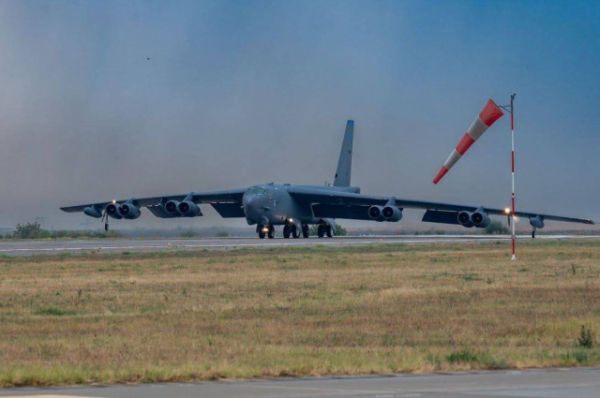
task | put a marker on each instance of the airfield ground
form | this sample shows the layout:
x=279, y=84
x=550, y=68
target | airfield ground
x=193, y=315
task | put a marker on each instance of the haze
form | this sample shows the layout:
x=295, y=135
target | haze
x=236, y=93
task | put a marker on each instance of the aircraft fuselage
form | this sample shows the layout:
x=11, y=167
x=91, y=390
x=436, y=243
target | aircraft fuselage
x=271, y=204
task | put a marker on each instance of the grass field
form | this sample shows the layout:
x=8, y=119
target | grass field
x=97, y=318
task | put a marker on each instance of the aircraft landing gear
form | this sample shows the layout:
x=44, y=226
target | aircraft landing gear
x=533, y=234
x=295, y=231
x=262, y=231
x=105, y=220
x=305, y=231
x=271, y=233
x=290, y=230
x=321, y=231
x=329, y=232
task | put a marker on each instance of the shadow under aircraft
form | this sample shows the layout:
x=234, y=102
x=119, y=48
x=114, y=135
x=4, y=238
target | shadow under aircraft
x=295, y=207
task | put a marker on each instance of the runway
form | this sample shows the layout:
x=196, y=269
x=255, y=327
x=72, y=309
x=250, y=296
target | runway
x=572, y=383
x=28, y=248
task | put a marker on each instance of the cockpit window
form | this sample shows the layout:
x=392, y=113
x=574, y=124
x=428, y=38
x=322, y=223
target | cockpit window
x=257, y=190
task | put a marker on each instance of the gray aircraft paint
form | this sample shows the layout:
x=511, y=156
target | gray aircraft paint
x=297, y=206
x=344, y=168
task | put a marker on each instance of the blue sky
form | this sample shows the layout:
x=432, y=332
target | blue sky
x=243, y=92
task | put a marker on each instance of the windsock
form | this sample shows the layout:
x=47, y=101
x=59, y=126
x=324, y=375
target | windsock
x=490, y=113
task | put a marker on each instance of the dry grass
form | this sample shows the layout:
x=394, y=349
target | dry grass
x=206, y=315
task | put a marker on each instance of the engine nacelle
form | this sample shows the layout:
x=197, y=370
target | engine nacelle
x=376, y=213
x=392, y=213
x=172, y=208
x=537, y=222
x=464, y=219
x=189, y=209
x=112, y=209
x=92, y=211
x=129, y=211
x=480, y=219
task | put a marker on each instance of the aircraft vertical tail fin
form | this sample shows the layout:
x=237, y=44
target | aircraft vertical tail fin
x=344, y=168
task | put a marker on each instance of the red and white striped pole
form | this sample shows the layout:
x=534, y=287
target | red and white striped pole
x=512, y=130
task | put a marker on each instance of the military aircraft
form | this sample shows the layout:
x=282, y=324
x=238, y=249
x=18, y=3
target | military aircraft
x=295, y=207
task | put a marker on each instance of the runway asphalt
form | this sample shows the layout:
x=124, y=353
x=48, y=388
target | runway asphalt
x=571, y=383
x=24, y=248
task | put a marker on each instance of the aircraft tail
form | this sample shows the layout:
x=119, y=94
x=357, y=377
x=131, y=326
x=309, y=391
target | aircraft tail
x=344, y=168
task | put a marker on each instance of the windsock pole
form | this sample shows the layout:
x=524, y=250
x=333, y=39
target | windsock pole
x=511, y=108
x=512, y=133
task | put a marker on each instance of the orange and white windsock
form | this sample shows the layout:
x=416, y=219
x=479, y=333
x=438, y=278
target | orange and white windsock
x=490, y=113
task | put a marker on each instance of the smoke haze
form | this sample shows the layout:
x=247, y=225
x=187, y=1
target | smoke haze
x=237, y=93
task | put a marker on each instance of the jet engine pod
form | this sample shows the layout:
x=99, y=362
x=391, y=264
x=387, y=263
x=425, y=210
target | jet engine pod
x=376, y=213
x=171, y=207
x=536, y=222
x=189, y=209
x=464, y=219
x=113, y=211
x=92, y=211
x=392, y=213
x=129, y=211
x=480, y=219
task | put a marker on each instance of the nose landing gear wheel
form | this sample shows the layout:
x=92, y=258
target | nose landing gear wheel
x=271, y=233
x=321, y=231
x=261, y=233
x=305, y=231
x=286, y=231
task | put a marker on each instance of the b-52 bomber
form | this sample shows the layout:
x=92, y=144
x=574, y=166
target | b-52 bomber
x=295, y=207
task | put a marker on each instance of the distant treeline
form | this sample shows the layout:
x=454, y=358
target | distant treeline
x=34, y=230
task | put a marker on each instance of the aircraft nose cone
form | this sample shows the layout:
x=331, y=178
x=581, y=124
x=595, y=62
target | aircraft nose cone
x=255, y=207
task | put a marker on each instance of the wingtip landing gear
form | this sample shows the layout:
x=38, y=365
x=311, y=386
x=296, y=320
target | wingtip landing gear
x=104, y=219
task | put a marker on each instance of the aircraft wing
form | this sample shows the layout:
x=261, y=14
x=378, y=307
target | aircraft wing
x=335, y=203
x=222, y=201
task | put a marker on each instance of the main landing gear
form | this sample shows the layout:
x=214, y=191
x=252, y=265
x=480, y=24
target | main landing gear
x=533, y=234
x=323, y=230
x=291, y=229
x=266, y=230
x=305, y=232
